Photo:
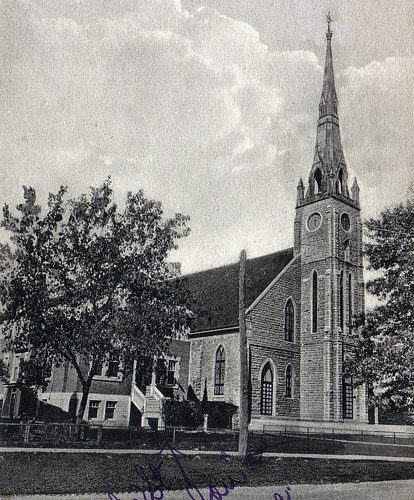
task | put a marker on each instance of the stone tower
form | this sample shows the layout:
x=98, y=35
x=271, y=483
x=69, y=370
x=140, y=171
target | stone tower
x=328, y=235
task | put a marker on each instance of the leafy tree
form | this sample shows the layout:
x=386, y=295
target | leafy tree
x=384, y=356
x=4, y=372
x=87, y=281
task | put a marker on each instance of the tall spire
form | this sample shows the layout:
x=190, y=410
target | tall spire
x=329, y=173
x=328, y=102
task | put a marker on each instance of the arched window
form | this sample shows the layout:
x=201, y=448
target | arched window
x=347, y=398
x=341, y=300
x=347, y=253
x=314, y=302
x=340, y=182
x=317, y=176
x=266, y=393
x=288, y=381
x=350, y=306
x=219, y=371
x=289, y=321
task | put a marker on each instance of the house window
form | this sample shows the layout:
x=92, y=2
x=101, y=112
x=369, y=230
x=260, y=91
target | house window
x=109, y=368
x=110, y=409
x=289, y=321
x=99, y=369
x=112, y=366
x=16, y=368
x=288, y=391
x=12, y=407
x=314, y=302
x=219, y=371
x=93, y=409
x=341, y=300
x=348, y=398
x=266, y=393
x=171, y=372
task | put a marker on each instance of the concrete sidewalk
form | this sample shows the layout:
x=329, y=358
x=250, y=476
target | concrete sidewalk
x=403, y=490
x=381, y=458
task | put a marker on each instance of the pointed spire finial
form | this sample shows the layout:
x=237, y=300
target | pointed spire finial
x=355, y=192
x=300, y=193
x=329, y=20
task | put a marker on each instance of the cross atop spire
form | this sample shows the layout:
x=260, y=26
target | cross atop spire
x=329, y=20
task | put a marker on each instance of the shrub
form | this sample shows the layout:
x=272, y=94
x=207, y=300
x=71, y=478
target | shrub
x=220, y=414
x=182, y=413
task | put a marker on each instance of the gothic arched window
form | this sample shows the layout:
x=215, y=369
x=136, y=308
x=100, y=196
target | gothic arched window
x=341, y=300
x=314, y=302
x=347, y=253
x=317, y=177
x=219, y=369
x=266, y=392
x=288, y=382
x=289, y=321
x=350, y=305
x=340, y=182
x=347, y=398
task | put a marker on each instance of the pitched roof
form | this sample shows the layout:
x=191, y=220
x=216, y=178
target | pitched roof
x=215, y=292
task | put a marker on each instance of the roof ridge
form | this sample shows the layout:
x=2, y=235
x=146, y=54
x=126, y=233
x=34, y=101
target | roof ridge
x=235, y=263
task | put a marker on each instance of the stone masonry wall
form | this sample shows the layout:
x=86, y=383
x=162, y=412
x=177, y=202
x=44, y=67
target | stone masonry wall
x=329, y=250
x=202, y=363
x=266, y=334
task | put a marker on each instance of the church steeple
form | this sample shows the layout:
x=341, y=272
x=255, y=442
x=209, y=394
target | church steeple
x=329, y=173
x=328, y=102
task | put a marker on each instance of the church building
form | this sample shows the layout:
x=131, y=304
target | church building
x=300, y=305
x=300, y=301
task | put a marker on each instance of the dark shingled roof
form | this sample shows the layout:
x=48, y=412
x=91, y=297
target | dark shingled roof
x=215, y=292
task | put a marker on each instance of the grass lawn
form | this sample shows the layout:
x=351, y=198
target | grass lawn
x=81, y=473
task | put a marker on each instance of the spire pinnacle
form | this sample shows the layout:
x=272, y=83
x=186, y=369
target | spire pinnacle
x=329, y=172
x=300, y=193
x=355, y=192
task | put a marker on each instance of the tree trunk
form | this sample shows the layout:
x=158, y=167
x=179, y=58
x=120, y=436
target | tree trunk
x=79, y=416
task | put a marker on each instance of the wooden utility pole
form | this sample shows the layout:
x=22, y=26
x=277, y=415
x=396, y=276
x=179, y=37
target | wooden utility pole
x=244, y=393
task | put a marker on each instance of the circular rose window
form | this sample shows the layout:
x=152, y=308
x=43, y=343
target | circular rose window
x=314, y=221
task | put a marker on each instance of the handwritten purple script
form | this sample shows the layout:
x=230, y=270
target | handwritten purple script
x=152, y=477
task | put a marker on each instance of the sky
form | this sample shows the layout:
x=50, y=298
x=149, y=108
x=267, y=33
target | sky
x=210, y=107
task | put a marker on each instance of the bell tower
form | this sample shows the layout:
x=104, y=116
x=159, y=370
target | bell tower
x=328, y=236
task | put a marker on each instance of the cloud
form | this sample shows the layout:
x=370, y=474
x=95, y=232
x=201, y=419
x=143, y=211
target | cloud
x=378, y=107
x=191, y=106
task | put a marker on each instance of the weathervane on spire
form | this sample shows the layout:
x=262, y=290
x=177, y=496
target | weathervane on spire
x=329, y=20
